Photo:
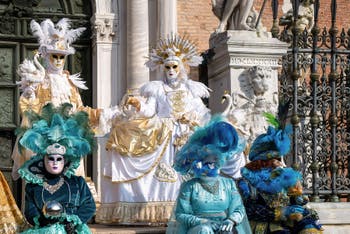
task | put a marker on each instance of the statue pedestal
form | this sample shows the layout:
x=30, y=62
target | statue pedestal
x=234, y=53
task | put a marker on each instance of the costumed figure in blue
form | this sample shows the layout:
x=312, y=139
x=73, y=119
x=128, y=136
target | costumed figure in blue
x=272, y=193
x=209, y=202
x=57, y=201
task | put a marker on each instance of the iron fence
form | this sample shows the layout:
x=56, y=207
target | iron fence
x=315, y=74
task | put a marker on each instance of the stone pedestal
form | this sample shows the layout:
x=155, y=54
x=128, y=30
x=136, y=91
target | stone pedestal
x=234, y=53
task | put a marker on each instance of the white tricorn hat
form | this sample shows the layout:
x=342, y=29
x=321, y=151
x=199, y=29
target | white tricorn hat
x=55, y=39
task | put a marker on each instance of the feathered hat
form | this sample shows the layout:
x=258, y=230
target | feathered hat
x=275, y=143
x=55, y=131
x=173, y=48
x=218, y=138
x=55, y=38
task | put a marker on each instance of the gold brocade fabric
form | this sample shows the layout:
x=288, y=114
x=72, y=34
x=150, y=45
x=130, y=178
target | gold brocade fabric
x=135, y=212
x=43, y=96
x=11, y=219
x=137, y=137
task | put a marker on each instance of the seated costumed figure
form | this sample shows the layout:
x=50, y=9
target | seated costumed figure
x=209, y=202
x=272, y=193
x=57, y=201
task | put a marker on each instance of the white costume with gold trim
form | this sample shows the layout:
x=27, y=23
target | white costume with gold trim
x=142, y=186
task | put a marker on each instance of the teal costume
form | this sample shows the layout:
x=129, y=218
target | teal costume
x=195, y=203
x=209, y=203
x=56, y=133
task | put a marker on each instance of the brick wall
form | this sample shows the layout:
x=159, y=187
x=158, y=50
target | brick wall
x=196, y=18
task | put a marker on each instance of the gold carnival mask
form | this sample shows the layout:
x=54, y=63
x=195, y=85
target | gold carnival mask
x=57, y=60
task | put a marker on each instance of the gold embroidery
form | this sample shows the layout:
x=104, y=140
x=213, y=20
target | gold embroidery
x=165, y=173
x=53, y=188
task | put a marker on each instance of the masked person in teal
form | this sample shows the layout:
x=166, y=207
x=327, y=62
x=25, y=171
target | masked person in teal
x=209, y=202
x=57, y=201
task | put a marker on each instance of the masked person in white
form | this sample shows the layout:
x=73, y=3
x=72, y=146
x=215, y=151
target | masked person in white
x=141, y=186
x=50, y=83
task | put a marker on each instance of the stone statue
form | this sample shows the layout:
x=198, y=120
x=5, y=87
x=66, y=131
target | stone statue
x=305, y=18
x=233, y=14
x=246, y=114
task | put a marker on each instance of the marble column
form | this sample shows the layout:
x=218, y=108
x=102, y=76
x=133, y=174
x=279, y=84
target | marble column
x=167, y=22
x=137, y=43
x=163, y=24
x=105, y=62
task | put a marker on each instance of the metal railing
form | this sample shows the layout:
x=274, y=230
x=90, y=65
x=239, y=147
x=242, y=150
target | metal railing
x=315, y=74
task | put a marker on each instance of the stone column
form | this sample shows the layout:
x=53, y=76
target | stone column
x=106, y=81
x=163, y=24
x=137, y=43
x=167, y=21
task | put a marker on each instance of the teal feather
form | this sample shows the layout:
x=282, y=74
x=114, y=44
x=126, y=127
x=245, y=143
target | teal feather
x=34, y=141
x=56, y=133
x=65, y=109
x=57, y=125
x=47, y=112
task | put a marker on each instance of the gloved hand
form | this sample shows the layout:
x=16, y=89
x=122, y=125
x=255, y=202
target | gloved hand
x=214, y=225
x=227, y=225
x=69, y=227
x=46, y=221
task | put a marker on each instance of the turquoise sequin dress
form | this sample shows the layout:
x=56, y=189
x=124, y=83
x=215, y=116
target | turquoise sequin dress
x=197, y=201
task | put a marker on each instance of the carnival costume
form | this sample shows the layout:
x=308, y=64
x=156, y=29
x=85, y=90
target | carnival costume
x=272, y=193
x=144, y=139
x=209, y=202
x=11, y=218
x=49, y=83
x=57, y=201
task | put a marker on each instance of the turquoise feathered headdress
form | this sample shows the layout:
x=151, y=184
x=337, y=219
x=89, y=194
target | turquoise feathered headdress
x=56, y=131
x=218, y=138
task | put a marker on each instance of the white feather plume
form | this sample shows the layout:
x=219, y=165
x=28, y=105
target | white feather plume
x=72, y=35
x=53, y=37
x=198, y=89
x=153, y=89
x=37, y=31
x=31, y=71
x=78, y=81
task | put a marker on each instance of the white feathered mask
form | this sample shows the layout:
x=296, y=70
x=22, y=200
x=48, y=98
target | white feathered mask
x=55, y=38
x=174, y=47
